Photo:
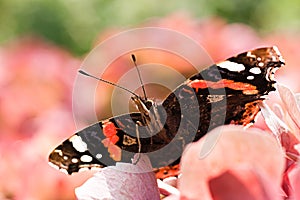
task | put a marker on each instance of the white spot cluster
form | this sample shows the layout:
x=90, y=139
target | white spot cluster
x=255, y=70
x=231, y=66
x=78, y=144
x=270, y=74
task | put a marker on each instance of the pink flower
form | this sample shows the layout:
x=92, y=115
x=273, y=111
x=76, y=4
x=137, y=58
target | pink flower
x=243, y=159
x=286, y=127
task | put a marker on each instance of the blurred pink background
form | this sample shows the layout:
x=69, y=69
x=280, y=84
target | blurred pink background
x=36, y=80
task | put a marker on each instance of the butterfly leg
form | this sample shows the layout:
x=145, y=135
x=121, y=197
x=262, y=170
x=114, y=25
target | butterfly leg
x=139, y=143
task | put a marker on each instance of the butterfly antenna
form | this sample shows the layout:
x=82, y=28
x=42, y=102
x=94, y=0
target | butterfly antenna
x=137, y=69
x=105, y=81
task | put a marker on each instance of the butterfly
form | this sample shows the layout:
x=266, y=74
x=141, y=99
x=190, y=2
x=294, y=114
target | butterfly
x=228, y=92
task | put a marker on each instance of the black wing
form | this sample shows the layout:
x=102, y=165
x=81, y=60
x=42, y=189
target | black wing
x=99, y=145
x=228, y=92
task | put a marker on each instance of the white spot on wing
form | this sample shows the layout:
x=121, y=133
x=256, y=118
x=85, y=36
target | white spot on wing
x=86, y=158
x=74, y=160
x=60, y=153
x=261, y=64
x=98, y=156
x=78, y=144
x=255, y=70
x=250, y=77
x=270, y=74
x=231, y=66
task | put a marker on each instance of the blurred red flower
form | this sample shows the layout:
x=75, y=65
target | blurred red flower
x=35, y=111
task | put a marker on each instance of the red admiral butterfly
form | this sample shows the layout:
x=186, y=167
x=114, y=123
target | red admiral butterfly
x=228, y=92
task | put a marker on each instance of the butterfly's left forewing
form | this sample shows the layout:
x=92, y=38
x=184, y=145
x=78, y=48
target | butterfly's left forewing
x=107, y=142
x=72, y=155
x=99, y=145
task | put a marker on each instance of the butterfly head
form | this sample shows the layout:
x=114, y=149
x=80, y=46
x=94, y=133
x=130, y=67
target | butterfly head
x=143, y=105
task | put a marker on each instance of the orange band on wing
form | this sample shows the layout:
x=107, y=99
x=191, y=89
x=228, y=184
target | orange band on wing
x=109, y=129
x=110, y=132
x=114, y=151
x=202, y=84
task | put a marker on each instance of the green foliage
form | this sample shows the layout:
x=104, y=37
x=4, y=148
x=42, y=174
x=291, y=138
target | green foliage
x=74, y=24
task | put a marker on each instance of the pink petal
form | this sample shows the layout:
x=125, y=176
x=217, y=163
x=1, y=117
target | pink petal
x=276, y=125
x=250, y=185
x=288, y=141
x=290, y=103
x=294, y=180
x=167, y=189
x=297, y=97
x=282, y=132
x=173, y=197
x=123, y=181
x=251, y=149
